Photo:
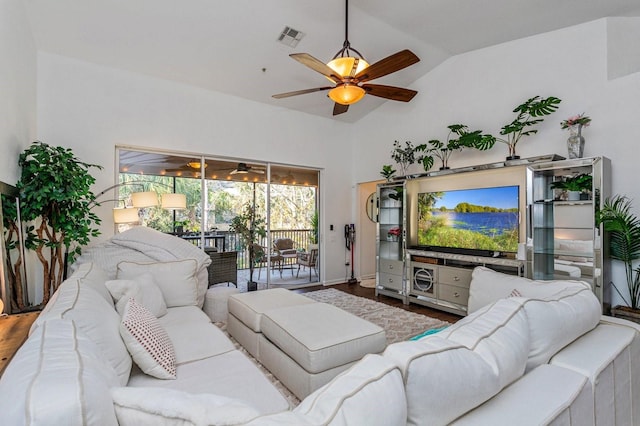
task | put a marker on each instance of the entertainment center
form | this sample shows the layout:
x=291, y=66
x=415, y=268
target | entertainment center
x=513, y=217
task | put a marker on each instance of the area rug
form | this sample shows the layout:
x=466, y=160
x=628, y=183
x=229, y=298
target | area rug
x=397, y=323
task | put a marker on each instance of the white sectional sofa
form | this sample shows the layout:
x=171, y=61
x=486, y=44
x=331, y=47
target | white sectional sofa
x=529, y=353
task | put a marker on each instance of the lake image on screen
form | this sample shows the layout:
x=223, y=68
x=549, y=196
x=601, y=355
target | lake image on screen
x=481, y=219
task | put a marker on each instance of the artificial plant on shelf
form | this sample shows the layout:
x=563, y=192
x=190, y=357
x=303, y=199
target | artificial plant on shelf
x=459, y=137
x=56, y=199
x=405, y=156
x=249, y=227
x=387, y=172
x=623, y=227
x=579, y=183
x=529, y=114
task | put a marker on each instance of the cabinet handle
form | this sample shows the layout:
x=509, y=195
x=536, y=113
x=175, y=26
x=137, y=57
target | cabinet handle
x=390, y=280
x=390, y=266
x=456, y=278
x=456, y=294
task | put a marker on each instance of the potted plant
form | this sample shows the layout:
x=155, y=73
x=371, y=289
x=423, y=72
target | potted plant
x=459, y=138
x=530, y=113
x=405, y=156
x=55, y=197
x=576, y=186
x=624, y=245
x=249, y=227
x=387, y=172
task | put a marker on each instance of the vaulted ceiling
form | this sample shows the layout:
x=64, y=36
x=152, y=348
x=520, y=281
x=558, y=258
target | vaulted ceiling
x=231, y=46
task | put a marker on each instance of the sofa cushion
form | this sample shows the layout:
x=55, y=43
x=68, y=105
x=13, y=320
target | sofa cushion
x=95, y=316
x=58, y=377
x=177, y=280
x=92, y=275
x=548, y=395
x=230, y=374
x=158, y=406
x=194, y=337
x=558, y=312
x=349, y=398
x=443, y=379
x=147, y=341
x=143, y=289
x=489, y=331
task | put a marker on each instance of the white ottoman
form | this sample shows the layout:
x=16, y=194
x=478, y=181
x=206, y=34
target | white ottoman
x=305, y=346
x=246, y=310
x=215, y=302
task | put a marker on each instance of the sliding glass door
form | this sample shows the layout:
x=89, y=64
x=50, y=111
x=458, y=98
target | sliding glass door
x=284, y=199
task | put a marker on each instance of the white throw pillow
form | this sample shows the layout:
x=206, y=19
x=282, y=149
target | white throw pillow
x=147, y=342
x=177, y=280
x=162, y=406
x=143, y=288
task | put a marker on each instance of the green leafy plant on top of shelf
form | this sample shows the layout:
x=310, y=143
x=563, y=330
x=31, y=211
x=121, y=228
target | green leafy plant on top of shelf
x=529, y=113
x=459, y=137
x=405, y=156
x=387, y=171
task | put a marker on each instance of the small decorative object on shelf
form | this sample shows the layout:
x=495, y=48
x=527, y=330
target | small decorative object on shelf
x=575, y=143
x=393, y=234
x=578, y=187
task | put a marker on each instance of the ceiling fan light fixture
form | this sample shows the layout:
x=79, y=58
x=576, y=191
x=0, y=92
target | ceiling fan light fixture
x=346, y=94
x=344, y=65
x=196, y=165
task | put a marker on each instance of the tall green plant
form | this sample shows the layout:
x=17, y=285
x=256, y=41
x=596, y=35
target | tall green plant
x=55, y=197
x=249, y=227
x=529, y=113
x=624, y=241
x=314, y=227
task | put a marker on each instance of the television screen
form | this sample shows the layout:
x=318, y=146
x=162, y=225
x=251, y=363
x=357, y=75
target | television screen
x=481, y=219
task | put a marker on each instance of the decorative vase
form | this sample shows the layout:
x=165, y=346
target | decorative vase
x=575, y=143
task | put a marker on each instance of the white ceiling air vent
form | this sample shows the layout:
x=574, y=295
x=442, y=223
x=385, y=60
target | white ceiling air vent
x=290, y=37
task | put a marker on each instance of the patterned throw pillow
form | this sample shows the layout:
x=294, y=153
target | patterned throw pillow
x=147, y=341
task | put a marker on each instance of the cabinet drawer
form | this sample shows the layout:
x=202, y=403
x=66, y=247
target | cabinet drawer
x=453, y=294
x=391, y=266
x=456, y=276
x=391, y=281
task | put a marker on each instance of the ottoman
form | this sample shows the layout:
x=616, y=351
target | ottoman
x=246, y=310
x=215, y=302
x=305, y=346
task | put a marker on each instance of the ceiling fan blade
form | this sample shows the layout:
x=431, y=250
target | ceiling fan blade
x=316, y=65
x=388, y=65
x=339, y=109
x=300, y=92
x=390, y=92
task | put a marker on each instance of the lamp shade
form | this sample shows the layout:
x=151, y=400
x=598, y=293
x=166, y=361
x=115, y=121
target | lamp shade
x=174, y=201
x=123, y=215
x=144, y=199
x=344, y=65
x=346, y=94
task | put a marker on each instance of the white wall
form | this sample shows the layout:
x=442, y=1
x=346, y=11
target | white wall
x=17, y=86
x=91, y=108
x=481, y=88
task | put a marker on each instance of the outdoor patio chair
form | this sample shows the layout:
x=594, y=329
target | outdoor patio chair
x=308, y=259
x=260, y=259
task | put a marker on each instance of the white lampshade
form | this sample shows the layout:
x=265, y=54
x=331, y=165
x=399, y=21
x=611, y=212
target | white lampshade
x=123, y=215
x=174, y=201
x=144, y=199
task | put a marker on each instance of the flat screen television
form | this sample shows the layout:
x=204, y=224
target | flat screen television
x=480, y=221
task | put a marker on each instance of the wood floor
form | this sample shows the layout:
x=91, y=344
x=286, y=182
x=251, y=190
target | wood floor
x=369, y=293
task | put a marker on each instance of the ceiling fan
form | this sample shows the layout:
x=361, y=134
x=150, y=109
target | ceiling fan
x=191, y=166
x=244, y=168
x=349, y=72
